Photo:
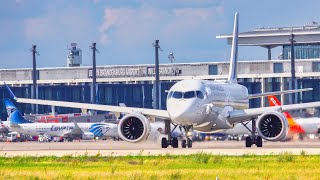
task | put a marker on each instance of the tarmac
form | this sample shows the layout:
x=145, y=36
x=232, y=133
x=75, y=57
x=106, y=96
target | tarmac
x=121, y=148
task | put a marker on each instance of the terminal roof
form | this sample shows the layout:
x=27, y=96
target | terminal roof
x=272, y=37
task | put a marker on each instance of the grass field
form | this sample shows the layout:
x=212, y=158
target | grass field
x=197, y=166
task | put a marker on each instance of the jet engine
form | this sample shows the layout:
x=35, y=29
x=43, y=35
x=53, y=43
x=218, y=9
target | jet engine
x=272, y=126
x=134, y=128
x=87, y=136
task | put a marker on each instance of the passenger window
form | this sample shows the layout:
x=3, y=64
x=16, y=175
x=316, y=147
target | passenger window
x=199, y=94
x=170, y=94
x=177, y=95
x=189, y=94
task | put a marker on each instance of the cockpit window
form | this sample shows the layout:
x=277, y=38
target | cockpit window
x=189, y=94
x=177, y=95
x=170, y=94
x=199, y=94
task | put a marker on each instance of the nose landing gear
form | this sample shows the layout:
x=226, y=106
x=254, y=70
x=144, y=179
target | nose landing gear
x=186, y=143
x=166, y=142
x=253, y=139
x=173, y=141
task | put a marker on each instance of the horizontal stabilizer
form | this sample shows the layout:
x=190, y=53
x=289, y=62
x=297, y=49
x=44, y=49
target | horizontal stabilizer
x=251, y=96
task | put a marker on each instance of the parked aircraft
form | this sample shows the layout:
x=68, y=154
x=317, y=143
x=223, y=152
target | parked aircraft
x=19, y=124
x=69, y=130
x=201, y=105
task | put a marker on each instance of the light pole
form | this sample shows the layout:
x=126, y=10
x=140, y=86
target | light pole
x=293, y=72
x=156, y=49
x=34, y=107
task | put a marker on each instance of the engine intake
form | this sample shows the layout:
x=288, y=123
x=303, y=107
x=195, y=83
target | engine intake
x=272, y=126
x=134, y=128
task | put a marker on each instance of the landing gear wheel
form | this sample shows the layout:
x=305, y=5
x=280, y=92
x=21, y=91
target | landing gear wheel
x=259, y=141
x=248, y=141
x=164, y=143
x=189, y=143
x=183, y=143
x=174, y=142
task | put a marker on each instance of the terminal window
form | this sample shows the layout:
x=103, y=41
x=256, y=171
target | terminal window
x=316, y=67
x=278, y=68
x=302, y=51
x=213, y=70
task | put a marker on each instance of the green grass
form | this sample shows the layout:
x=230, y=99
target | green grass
x=196, y=166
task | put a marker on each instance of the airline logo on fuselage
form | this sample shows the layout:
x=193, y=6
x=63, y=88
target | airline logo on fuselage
x=61, y=128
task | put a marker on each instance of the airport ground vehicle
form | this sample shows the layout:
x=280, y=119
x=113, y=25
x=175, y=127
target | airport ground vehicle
x=14, y=137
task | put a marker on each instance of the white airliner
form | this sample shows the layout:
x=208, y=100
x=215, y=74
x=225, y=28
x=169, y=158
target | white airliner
x=205, y=106
x=68, y=130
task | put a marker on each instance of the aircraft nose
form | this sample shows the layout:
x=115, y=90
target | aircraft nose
x=182, y=113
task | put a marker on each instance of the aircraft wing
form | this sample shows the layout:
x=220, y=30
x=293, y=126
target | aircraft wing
x=163, y=114
x=251, y=96
x=242, y=115
x=117, y=109
x=76, y=130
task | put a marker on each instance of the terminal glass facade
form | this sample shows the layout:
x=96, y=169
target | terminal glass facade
x=141, y=95
x=302, y=51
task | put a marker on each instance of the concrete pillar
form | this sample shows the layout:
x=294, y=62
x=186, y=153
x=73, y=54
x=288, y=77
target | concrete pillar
x=282, y=89
x=53, y=110
x=269, y=52
x=262, y=91
x=143, y=95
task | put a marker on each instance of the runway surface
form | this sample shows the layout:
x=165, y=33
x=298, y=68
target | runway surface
x=121, y=148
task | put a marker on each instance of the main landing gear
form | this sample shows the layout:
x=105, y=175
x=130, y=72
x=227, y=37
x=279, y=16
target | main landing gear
x=186, y=143
x=253, y=138
x=173, y=141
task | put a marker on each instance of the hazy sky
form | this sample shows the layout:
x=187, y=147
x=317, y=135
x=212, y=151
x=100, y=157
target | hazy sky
x=125, y=30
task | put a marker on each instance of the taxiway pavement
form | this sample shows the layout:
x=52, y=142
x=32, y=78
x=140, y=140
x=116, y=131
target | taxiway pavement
x=121, y=148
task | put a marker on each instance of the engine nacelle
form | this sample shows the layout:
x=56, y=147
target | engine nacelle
x=272, y=126
x=134, y=128
x=87, y=136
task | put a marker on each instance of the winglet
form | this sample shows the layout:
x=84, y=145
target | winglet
x=10, y=92
x=77, y=129
x=76, y=124
x=234, y=52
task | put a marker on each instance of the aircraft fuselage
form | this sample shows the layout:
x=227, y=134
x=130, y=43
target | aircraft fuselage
x=201, y=103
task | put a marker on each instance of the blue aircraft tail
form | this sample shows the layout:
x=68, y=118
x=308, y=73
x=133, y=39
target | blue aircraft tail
x=14, y=116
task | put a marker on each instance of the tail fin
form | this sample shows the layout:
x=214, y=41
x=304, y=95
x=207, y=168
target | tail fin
x=234, y=52
x=14, y=115
x=294, y=127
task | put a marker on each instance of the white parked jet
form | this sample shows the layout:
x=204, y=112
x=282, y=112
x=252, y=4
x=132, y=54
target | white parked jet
x=69, y=130
x=206, y=106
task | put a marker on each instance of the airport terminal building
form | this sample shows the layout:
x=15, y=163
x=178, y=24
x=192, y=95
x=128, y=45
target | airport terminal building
x=133, y=84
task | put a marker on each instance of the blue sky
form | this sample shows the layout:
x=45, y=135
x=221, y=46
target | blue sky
x=125, y=30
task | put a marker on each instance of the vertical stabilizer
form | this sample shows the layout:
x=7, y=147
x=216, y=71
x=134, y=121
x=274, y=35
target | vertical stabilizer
x=234, y=52
x=14, y=116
